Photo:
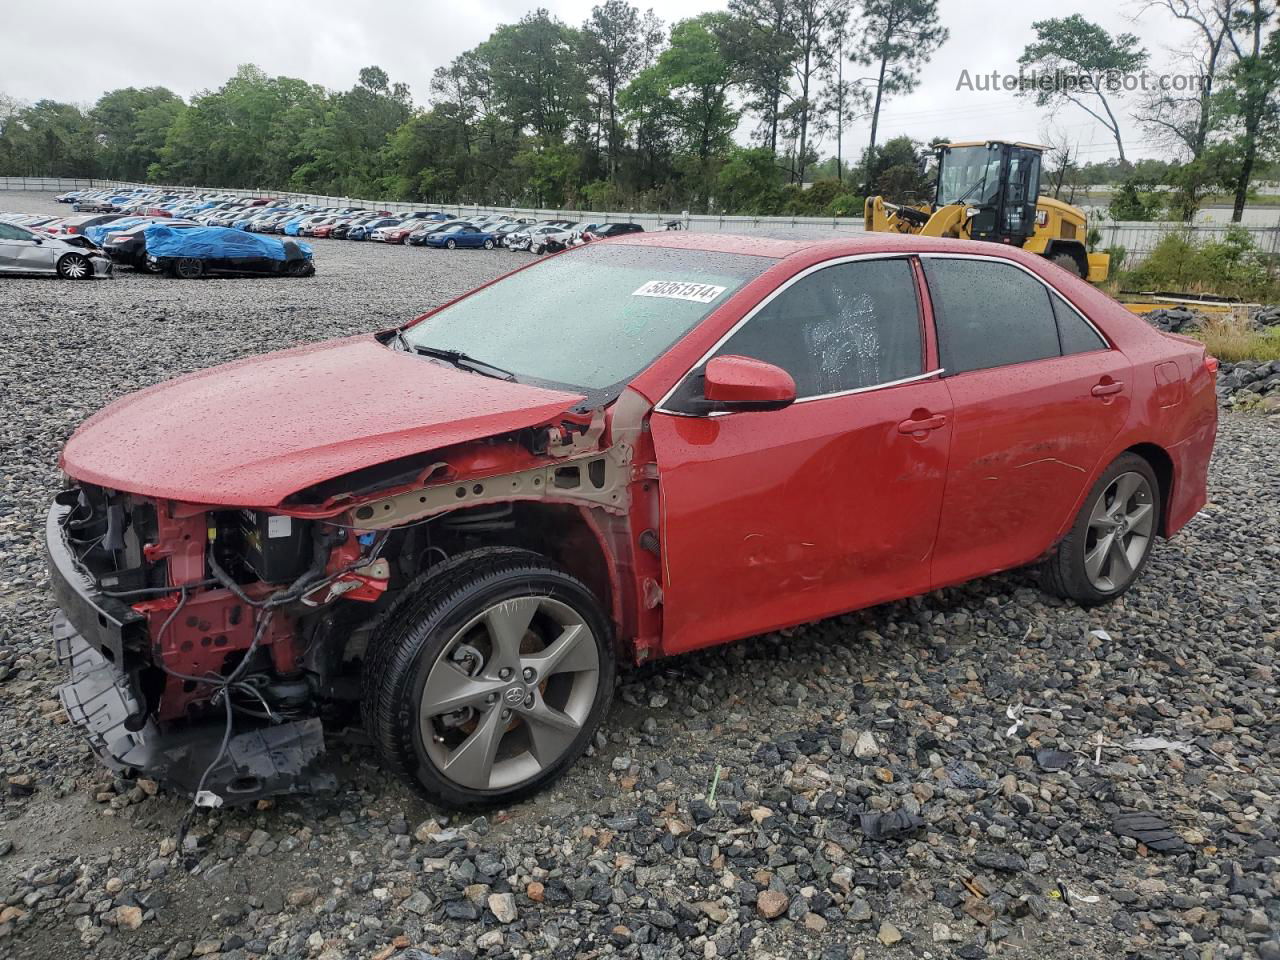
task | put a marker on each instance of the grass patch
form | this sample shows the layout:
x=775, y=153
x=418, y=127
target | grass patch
x=1230, y=339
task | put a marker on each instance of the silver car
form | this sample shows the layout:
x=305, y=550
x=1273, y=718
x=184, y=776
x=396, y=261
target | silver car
x=73, y=258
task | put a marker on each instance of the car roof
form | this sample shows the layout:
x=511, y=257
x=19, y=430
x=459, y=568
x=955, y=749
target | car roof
x=782, y=246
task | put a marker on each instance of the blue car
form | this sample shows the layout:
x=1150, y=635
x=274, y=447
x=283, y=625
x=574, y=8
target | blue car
x=462, y=235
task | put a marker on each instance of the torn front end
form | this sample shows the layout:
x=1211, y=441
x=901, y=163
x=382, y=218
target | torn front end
x=207, y=645
x=188, y=635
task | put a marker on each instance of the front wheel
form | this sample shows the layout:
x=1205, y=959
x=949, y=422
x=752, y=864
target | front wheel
x=488, y=677
x=1111, y=540
x=452, y=244
x=74, y=266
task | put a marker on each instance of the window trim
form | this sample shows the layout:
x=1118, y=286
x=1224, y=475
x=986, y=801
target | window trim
x=661, y=405
x=1050, y=290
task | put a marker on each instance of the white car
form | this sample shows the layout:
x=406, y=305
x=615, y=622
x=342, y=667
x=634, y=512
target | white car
x=72, y=257
x=539, y=238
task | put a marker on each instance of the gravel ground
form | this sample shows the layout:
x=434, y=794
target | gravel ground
x=723, y=811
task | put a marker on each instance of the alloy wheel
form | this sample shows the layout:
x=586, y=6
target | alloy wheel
x=509, y=693
x=75, y=267
x=1121, y=528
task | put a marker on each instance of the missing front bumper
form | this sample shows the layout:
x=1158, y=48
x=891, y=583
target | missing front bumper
x=101, y=700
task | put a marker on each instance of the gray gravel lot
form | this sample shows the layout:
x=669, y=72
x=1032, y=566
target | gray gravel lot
x=905, y=708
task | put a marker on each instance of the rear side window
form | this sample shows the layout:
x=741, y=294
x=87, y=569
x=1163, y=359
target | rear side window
x=1076, y=335
x=989, y=314
x=842, y=328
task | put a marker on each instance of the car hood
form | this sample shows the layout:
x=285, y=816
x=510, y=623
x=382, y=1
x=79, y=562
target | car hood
x=250, y=433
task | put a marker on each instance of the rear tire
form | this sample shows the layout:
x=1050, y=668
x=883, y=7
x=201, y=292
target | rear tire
x=1068, y=263
x=488, y=244
x=188, y=268
x=1111, y=540
x=523, y=653
x=75, y=266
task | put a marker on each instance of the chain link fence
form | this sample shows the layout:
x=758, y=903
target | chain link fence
x=1137, y=238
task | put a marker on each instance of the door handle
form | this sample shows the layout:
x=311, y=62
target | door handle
x=1106, y=389
x=920, y=426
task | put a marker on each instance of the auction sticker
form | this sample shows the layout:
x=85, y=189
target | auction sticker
x=680, y=290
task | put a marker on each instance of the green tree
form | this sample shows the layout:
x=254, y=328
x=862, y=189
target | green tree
x=749, y=182
x=615, y=43
x=1251, y=98
x=1079, y=62
x=896, y=38
x=131, y=126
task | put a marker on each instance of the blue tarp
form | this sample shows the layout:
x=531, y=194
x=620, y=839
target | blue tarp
x=98, y=232
x=215, y=243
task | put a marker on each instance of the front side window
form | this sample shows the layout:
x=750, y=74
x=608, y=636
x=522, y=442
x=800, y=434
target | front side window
x=10, y=232
x=591, y=319
x=844, y=327
x=989, y=314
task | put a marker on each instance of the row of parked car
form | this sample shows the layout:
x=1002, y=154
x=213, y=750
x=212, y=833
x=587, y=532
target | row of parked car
x=430, y=228
x=89, y=245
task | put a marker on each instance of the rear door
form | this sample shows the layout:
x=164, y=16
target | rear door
x=21, y=251
x=1037, y=395
x=775, y=518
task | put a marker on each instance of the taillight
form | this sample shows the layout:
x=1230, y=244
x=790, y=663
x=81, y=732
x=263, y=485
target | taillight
x=1211, y=364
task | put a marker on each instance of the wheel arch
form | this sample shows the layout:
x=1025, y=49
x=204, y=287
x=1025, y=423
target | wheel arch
x=1162, y=465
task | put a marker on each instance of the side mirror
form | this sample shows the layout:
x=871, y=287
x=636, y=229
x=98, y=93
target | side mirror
x=741, y=383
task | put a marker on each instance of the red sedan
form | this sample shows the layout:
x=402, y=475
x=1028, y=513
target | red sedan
x=628, y=451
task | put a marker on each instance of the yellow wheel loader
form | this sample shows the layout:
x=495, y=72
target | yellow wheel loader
x=991, y=191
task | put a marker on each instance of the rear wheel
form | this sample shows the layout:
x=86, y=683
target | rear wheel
x=75, y=266
x=1068, y=263
x=488, y=678
x=488, y=244
x=188, y=268
x=1111, y=540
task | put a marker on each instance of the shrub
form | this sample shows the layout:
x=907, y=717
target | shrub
x=1230, y=267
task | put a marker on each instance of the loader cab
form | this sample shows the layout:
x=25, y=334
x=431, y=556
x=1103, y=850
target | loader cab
x=999, y=182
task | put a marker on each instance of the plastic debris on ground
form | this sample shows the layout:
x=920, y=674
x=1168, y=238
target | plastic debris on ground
x=1149, y=830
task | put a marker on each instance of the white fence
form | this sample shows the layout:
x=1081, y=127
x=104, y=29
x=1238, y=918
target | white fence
x=1137, y=238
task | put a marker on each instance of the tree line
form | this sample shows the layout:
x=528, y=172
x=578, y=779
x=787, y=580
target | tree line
x=626, y=112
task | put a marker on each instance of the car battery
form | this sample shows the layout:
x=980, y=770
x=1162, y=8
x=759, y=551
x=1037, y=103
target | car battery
x=277, y=548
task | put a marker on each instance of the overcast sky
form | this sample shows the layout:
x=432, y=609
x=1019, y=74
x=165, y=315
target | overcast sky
x=328, y=41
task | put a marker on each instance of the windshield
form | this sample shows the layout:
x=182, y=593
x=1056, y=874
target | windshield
x=969, y=175
x=591, y=319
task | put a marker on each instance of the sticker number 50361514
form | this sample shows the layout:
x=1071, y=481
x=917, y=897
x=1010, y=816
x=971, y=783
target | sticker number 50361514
x=680, y=290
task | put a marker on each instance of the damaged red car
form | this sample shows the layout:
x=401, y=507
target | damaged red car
x=635, y=449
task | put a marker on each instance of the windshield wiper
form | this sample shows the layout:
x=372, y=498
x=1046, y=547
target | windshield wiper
x=461, y=360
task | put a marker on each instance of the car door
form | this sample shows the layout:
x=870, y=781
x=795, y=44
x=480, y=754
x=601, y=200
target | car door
x=775, y=518
x=1037, y=395
x=21, y=251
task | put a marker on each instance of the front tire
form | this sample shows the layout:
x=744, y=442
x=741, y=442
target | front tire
x=488, y=677
x=452, y=244
x=1111, y=540
x=74, y=266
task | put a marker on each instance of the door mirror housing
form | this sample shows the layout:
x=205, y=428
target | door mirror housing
x=742, y=383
